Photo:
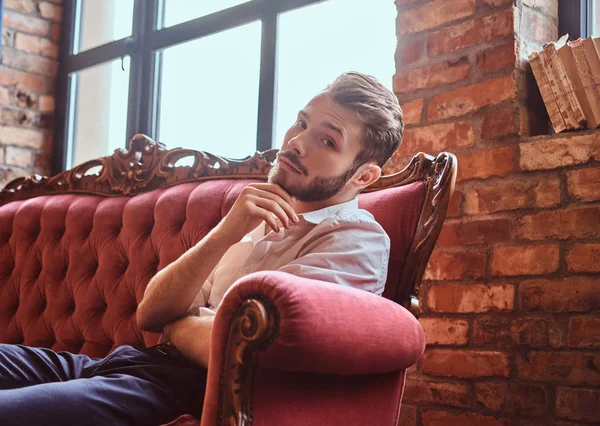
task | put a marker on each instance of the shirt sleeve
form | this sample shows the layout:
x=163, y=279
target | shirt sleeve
x=350, y=253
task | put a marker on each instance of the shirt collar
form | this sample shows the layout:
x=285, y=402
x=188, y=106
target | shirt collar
x=315, y=217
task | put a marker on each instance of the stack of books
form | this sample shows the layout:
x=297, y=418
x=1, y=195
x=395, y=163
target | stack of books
x=568, y=75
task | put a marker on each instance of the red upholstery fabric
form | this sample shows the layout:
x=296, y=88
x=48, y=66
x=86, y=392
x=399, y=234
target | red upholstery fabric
x=74, y=267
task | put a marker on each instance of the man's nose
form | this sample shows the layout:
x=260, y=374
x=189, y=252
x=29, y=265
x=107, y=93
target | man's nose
x=297, y=144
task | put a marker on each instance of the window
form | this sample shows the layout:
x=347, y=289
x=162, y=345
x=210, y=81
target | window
x=223, y=76
x=579, y=18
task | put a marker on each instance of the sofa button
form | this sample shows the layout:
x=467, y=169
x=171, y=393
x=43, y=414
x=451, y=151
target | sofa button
x=247, y=269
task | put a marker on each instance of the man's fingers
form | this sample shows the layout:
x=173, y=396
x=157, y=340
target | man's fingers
x=267, y=216
x=273, y=188
x=286, y=206
x=273, y=207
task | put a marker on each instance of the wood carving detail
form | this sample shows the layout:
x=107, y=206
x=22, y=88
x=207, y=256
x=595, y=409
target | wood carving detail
x=146, y=166
x=254, y=326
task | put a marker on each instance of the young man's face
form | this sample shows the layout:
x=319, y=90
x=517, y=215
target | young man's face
x=317, y=157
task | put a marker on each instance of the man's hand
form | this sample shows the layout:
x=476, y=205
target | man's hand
x=257, y=202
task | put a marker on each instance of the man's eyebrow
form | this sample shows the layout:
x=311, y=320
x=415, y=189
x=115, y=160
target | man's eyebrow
x=327, y=123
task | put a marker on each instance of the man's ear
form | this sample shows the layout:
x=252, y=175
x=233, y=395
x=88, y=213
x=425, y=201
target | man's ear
x=367, y=174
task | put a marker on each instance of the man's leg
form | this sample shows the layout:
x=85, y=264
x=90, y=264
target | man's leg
x=128, y=387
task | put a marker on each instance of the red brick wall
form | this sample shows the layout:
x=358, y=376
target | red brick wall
x=511, y=296
x=30, y=36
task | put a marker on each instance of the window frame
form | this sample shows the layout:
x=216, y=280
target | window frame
x=148, y=38
x=575, y=18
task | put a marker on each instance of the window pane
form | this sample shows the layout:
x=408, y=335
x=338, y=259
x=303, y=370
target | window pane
x=178, y=11
x=595, y=11
x=209, y=93
x=100, y=114
x=343, y=36
x=103, y=21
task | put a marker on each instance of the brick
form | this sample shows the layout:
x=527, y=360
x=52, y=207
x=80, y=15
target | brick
x=408, y=415
x=436, y=138
x=23, y=6
x=36, y=45
x=25, y=99
x=584, y=332
x=471, y=298
x=412, y=111
x=538, y=27
x=408, y=51
x=405, y=2
x=444, y=331
x=498, y=123
x=46, y=103
x=525, y=260
x=560, y=224
x=471, y=98
x=513, y=398
x=443, y=418
x=573, y=294
x=426, y=391
x=465, y=363
x=10, y=77
x=490, y=197
x=584, y=184
x=578, y=404
x=548, y=7
x=30, y=63
x=4, y=96
x=492, y=331
x=21, y=137
x=455, y=206
x=549, y=153
x=50, y=11
x=7, y=174
x=17, y=117
x=433, y=14
x=560, y=367
x=456, y=265
x=497, y=58
x=538, y=332
x=55, y=32
x=431, y=76
x=27, y=24
x=483, y=164
x=475, y=31
x=584, y=258
x=19, y=157
x=486, y=231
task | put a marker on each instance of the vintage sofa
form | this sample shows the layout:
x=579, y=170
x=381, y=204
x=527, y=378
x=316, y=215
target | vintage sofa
x=78, y=249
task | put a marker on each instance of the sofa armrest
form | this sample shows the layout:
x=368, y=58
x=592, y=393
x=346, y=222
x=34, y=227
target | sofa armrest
x=320, y=327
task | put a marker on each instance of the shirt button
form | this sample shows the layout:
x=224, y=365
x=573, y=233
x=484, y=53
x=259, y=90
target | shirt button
x=247, y=269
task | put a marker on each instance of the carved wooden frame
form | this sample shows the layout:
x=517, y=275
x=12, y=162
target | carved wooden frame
x=148, y=165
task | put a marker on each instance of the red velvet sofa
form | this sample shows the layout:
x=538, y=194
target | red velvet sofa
x=77, y=250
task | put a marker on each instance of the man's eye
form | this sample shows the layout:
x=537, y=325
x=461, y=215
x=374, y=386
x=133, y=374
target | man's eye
x=329, y=143
x=301, y=123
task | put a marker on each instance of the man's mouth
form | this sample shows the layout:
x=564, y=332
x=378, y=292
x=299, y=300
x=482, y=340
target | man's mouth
x=290, y=164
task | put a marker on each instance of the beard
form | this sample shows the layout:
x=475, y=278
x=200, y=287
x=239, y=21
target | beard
x=318, y=189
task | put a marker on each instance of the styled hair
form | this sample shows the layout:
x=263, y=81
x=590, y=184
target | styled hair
x=377, y=108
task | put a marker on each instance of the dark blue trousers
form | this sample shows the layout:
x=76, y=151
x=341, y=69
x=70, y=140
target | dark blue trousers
x=129, y=387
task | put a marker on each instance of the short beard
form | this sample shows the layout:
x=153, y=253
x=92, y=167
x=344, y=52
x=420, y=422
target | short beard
x=319, y=189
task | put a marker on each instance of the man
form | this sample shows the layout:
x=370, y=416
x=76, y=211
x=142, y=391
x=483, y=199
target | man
x=304, y=221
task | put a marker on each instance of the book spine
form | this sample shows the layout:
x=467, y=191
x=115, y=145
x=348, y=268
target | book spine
x=542, y=81
x=575, y=112
x=563, y=107
x=587, y=81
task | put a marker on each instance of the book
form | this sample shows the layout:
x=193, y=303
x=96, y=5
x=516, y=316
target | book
x=568, y=103
x=576, y=66
x=543, y=83
x=592, y=56
x=557, y=92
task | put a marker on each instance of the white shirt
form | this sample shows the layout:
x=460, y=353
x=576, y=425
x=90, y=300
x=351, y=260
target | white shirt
x=340, y=244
